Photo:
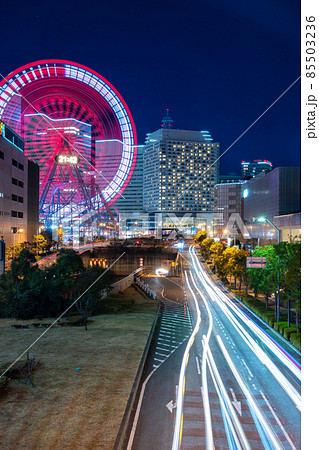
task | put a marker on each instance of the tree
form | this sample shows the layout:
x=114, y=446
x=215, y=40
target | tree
x=216, y=251
x=40, y=243
x=237, y=264
x=27, y=369
x=85, y=306
x=292, y=278
x=23, y=288
x=200, y=236
x=282, y=260
x=60, y=237
x=264, y=280
x=14, y=251
x=64, y=275
x=205, y=245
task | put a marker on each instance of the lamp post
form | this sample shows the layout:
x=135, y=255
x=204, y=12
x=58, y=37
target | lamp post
x=263, y=220
x=19, y=230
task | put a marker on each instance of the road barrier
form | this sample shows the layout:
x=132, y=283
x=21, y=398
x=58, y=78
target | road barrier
x=145, y=288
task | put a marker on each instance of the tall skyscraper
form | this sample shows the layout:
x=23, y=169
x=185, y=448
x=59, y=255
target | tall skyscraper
x=131, y=199
x=179, y=174
x=251, y=169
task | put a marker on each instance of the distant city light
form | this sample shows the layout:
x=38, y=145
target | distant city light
x=160, y=272
x=245, y=193
x=180, y=245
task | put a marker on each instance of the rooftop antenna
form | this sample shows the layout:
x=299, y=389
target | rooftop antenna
x=167, y=121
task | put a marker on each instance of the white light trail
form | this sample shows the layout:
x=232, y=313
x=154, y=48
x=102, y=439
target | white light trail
x=207, y=413
x=228, y=410
x=288, y=361
x=181, y=384
x=228, y=308
x=224, y=399
x=275, y=444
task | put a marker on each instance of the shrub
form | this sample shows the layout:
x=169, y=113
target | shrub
x=289, y=331
x=295, y=339
x=271, y=320
x=279, y=326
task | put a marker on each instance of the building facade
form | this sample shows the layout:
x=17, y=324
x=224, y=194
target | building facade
x=19, y=190
x=179, y=171
x=131, y=199
x=230, y=178
x=228, y=207
x=251, y=169
x=276, y=196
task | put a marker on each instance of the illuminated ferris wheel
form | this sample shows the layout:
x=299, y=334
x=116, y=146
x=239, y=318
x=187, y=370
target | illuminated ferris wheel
x=79, y=131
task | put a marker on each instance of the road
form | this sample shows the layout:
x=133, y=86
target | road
x=226, y=384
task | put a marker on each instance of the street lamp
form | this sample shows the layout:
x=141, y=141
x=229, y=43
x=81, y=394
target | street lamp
x=19, y=230
x=263, y=220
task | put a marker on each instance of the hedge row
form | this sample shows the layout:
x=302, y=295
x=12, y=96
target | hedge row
x=259, y=308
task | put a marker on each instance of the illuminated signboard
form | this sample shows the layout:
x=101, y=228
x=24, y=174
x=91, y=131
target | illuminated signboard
x=67, y=159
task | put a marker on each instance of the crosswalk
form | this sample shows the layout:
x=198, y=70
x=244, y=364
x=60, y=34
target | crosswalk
x=173, y=328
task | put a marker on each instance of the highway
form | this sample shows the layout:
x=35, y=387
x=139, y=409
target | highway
x=227, y=385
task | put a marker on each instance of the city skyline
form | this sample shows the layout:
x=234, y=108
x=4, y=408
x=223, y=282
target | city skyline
x=212, y=66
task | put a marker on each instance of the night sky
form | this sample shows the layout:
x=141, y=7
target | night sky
x=217, y=65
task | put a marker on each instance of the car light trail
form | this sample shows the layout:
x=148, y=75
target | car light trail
x=223, y=397
x=261, y=423
x=229, y=415
x=230, y=418
x=262, y=356
x=275, y=348
x=207, y=413
x=181, y=384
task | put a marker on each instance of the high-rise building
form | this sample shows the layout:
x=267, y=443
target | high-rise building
x=228, y=201
x=273, y=194
x=251, y=169
x=19, y=190
x=131, y=199
x=276, y=196
x=179, y=171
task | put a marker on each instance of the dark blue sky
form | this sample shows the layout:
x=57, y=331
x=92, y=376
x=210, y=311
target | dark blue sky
x=216, y=64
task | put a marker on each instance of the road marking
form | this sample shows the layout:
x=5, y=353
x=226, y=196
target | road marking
x=235, y=402
x=162, y=349
x=166, y=345
x=247, y=368
x=170, y=406
x=198, y=368
x=278, y=421
x=161, y=354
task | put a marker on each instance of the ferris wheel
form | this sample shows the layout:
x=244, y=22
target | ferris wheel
x=78, y=129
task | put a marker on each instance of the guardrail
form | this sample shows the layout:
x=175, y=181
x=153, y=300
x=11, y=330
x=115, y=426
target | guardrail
x=145, y=288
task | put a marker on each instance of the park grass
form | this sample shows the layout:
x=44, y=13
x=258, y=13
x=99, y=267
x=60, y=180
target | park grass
x=69, y=408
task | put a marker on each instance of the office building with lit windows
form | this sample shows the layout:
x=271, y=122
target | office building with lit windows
x=19, y=190
x=251, y=169
x=179, y=171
